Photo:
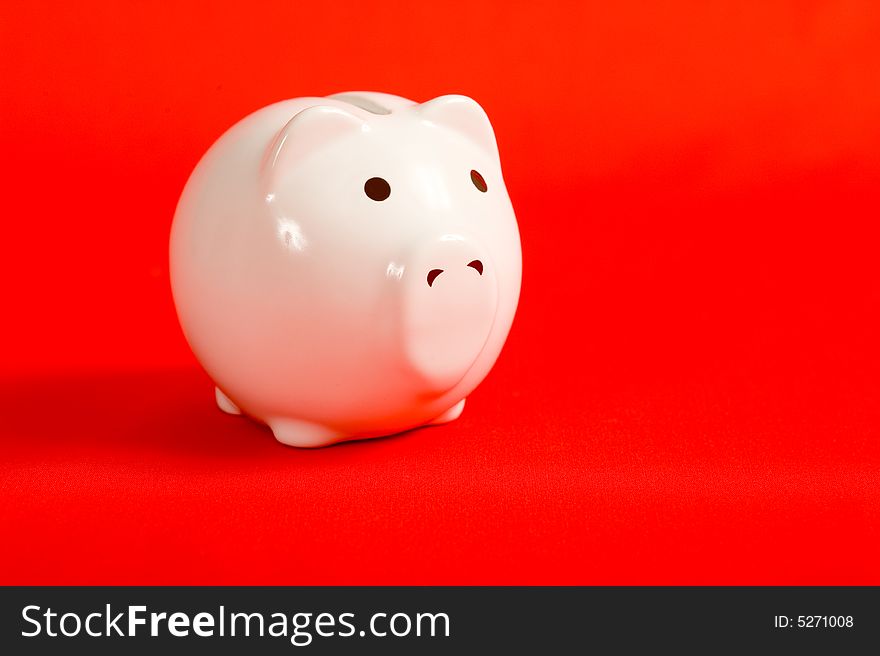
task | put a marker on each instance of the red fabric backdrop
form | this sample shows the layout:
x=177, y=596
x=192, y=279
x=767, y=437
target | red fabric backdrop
x=690, y=391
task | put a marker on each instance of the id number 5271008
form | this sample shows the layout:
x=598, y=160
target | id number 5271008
x=813, y=621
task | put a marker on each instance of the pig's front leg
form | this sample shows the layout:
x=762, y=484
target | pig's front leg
x=303, y=434
x=450, y=415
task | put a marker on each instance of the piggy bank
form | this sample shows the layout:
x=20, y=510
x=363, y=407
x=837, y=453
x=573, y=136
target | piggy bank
x=348, y=267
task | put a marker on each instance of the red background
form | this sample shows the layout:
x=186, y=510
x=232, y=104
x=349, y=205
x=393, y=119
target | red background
x=690, y=390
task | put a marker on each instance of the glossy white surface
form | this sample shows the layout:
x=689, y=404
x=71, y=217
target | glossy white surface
x=328, y=314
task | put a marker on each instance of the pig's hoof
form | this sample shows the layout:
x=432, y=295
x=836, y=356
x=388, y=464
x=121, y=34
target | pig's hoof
x=303, y=434
x=225, y=404
x=450, y=415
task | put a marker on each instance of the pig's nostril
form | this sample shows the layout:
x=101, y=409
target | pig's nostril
x=476, y=264
x=432, y=276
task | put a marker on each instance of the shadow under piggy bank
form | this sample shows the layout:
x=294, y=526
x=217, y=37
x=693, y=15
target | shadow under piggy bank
x=132, y=415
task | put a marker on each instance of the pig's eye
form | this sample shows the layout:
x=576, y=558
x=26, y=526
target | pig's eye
x=377, y=188
x=478, y=181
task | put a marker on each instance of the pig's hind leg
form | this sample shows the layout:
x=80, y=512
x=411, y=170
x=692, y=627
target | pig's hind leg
x=224, y=403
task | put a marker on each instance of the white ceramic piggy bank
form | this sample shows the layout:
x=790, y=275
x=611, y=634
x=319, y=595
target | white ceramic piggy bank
x=348, y=267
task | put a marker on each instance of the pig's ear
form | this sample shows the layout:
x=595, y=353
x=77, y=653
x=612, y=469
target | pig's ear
x=464, y=115
x=307, y=132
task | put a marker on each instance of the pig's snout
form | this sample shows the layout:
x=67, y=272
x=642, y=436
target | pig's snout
x=433, y=273
x=449, y=309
